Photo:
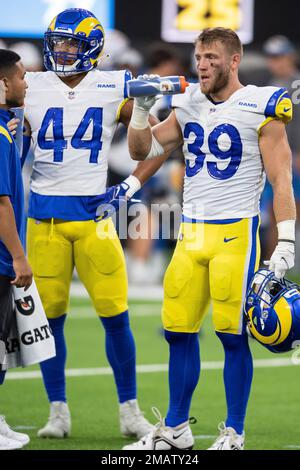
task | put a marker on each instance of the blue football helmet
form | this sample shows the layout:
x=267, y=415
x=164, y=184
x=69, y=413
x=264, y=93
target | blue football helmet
x=272, y=310
x=73, y=42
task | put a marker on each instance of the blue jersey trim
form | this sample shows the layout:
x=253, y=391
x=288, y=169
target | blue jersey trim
x=71, y=208
x=127, y=76
x=255, y=222
x=205, y=221
x=270, y=110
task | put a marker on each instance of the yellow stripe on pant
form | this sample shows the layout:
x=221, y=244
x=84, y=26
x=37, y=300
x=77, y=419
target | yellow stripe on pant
x=54, y=248
x=212, y=262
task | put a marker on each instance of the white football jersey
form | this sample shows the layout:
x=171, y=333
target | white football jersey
x=224, y=171
x=72, y=130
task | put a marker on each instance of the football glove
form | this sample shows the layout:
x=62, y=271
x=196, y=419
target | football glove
x=282, y=259
x=107, y=204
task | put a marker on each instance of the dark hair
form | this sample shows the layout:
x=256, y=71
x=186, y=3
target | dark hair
x=159, y=53
x=226, y=36
x=8, y=60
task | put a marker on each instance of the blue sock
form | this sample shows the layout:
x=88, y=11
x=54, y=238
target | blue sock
x=184, y=372
x=2, y=376
x=238, y=373
x=120, y=351
x=53, y=370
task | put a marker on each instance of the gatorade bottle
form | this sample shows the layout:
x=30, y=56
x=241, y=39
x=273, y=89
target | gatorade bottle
x=171, y=85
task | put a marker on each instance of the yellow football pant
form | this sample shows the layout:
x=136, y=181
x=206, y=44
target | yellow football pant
x=56, y=246
x=211, y=263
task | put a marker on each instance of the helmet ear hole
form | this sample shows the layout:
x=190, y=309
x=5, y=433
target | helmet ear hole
x=275, y=289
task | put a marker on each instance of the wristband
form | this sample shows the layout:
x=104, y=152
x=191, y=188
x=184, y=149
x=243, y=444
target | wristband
x=134, y=185
x=286, y=230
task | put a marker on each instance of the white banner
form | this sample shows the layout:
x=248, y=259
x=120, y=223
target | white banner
x=183, y=20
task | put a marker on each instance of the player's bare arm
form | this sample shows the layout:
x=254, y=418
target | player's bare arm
x=144, y=170
x=277, y=159
x=167, y=137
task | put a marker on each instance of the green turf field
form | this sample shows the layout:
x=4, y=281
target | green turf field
x=273, y=414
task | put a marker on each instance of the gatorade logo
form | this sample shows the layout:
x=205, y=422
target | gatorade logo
x=25, y=306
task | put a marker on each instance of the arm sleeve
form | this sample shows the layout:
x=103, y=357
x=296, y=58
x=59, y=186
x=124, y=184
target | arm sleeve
x=5, y=185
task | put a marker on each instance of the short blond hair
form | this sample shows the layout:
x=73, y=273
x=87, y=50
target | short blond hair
x=226, y=36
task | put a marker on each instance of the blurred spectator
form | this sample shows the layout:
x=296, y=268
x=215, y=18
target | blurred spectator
x=130, y=59
x=115, y=44
x=253, y=69
x=281, y=61
x=163, y=59
x=30, y=54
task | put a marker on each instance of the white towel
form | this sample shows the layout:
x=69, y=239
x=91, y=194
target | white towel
x=30, y=340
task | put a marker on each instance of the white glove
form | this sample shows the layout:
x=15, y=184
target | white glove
x=145, y=103
x=142, y=106
x=282, y=259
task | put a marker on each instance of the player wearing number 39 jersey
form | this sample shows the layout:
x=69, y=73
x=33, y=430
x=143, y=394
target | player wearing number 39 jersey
x=232, y=136
x=72, y=111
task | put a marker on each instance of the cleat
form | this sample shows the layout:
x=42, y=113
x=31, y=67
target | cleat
x=132, y=421
x=7, y=432
x=228, y=439
x=59, y=422
x=9, y=444
x=165, y=438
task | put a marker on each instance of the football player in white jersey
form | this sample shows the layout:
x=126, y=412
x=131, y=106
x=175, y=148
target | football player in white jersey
x=72, y=111
x=231, y=135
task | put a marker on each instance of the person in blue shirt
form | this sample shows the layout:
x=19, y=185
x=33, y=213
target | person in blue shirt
x=14, y=267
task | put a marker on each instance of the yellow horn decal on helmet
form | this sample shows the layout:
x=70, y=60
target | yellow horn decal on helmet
x=263, y=339
x=52, y=24
x=285, y=318
x=87, y=25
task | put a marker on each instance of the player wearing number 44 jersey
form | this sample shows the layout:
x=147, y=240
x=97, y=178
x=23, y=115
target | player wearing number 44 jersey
x=232, y=135
x=72, y=111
